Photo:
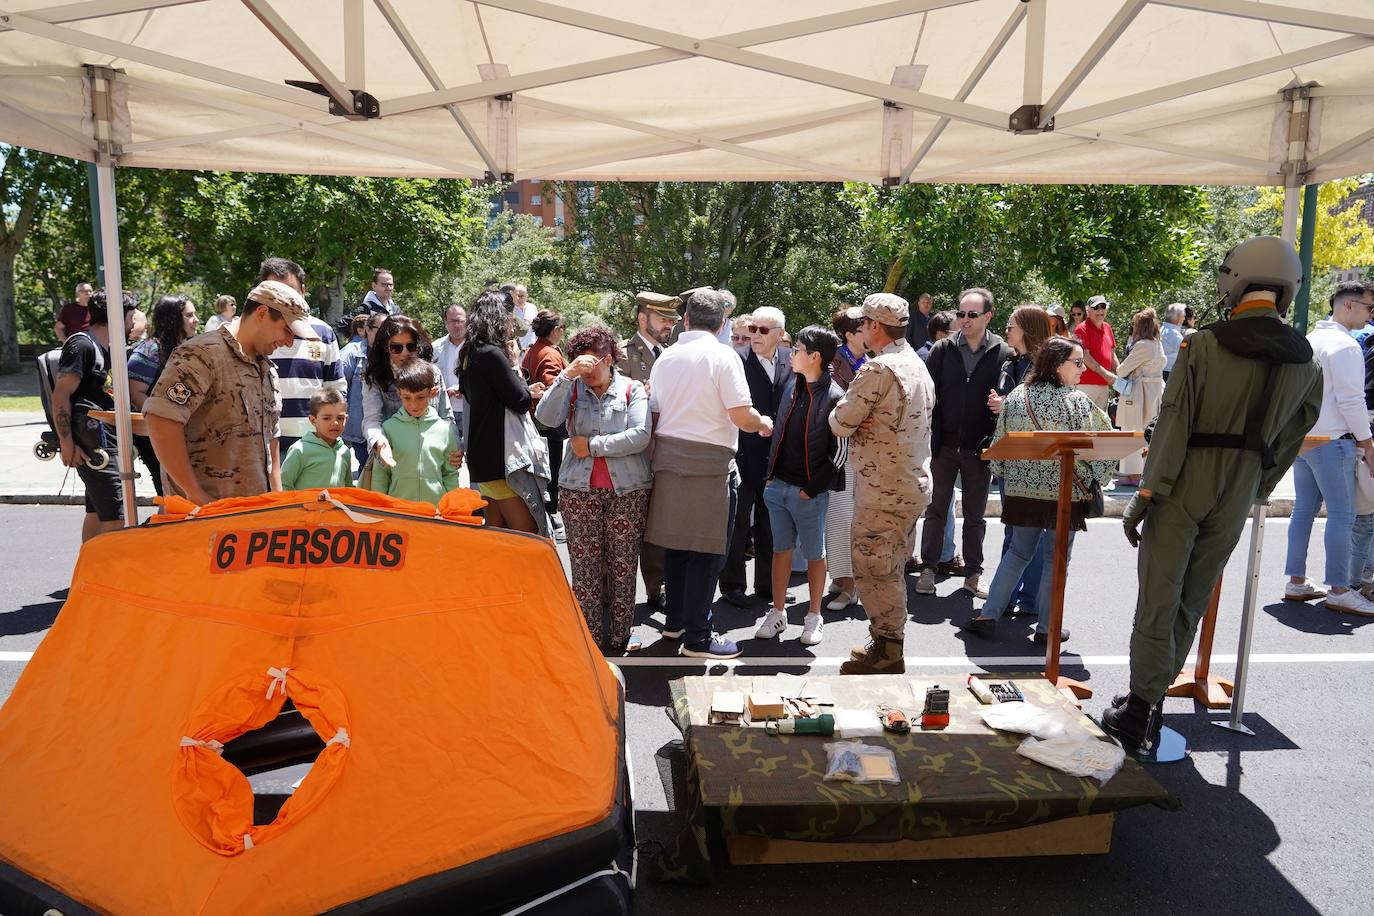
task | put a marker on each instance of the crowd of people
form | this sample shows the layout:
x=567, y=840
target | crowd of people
x=705, y=439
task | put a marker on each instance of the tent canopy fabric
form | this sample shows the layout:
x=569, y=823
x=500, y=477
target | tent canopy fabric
x=1140, y=91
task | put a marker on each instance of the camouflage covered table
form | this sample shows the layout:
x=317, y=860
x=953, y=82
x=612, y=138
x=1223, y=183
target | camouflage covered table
x=963, y=780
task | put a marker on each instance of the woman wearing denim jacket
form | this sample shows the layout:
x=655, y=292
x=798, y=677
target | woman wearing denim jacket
x=605, y=480
x=1047, y=400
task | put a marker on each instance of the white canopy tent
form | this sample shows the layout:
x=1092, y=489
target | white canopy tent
x=1057, y=91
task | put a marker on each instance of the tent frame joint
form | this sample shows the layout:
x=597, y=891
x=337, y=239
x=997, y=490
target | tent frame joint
x=365, y=104
x=1027, y=120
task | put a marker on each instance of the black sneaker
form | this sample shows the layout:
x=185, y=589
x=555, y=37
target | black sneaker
x=983, y=626
x=716, y=647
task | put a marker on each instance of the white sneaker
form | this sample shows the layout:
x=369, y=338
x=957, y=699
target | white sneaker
x=842, y=601
x=925, y=585
x=773, y=624
x=971, y=584
x=811, y=632
x=1351, y=602
x=1306, y=590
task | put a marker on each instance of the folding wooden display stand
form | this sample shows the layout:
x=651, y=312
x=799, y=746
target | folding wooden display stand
x=1067, y=447
x=136, y=422
x=1198, y=682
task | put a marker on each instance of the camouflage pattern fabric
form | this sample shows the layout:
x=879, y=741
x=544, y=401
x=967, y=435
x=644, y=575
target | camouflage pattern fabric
x=891, y=462
x=960, y=781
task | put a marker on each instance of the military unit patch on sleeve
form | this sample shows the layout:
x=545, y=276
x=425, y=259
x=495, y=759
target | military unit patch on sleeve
x=179, y=394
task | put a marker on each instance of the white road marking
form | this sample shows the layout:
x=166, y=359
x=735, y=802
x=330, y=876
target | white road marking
x=959, y=661
x=940, y=661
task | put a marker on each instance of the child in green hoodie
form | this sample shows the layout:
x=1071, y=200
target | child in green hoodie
x=421, y=440
x=320, y=458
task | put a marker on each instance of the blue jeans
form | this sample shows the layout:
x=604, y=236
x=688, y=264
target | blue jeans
x=1361, y=545
x=947, y=552
x=1325, y=474
x=689, y=578
x=1026, y=544
x=796, y=520
x=360, y=452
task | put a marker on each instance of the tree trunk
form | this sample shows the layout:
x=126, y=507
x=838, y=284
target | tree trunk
x=9, y=323
x=895, y=273
x=334, y=308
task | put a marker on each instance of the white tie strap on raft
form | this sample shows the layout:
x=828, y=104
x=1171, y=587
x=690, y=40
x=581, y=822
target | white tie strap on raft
x=278, y=676
x=340, y=737
x=354, y=516
x=247, y=842
x=212, y=744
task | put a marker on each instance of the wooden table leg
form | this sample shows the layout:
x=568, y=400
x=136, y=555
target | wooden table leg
x=1211, y=691
x=1074, y=689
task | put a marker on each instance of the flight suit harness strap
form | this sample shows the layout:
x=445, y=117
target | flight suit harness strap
x=1252, y=439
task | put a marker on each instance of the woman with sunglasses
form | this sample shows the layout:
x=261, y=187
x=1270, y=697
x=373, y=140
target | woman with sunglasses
x=498, y=399
x=1048, y=400
x=847, y=323
x=352, y=364
x=396, y=342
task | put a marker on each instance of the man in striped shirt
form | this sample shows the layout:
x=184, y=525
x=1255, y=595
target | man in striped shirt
x=304, y=367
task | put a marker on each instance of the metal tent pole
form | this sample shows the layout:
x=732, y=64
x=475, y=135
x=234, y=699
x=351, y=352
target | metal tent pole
x=1306, y=241
x=92, y=180
x=101, y=80
x=1247, y=621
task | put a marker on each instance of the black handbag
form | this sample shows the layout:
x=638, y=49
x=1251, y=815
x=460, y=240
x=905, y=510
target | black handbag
x=1094, y=502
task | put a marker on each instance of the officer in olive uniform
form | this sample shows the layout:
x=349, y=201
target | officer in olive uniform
x=656, y=316
x=1242, y=395
x=886, y=414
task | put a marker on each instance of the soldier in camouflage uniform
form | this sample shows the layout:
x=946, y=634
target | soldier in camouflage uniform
x=213, y=414
x=656, y=315
x=887, y=414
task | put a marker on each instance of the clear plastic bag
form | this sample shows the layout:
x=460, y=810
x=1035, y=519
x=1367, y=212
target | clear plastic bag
x=854, y=761
x=1078, y=755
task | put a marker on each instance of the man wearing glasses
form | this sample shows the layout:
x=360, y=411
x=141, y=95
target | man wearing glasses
x=767, y=369
x=1099, y=352
x=965, y=368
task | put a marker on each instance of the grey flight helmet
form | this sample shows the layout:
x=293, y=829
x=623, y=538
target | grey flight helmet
x=1265, y=262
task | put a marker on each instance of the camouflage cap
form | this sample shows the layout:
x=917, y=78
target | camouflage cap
x=659, y=304
x=887, y=308
x=287, y=303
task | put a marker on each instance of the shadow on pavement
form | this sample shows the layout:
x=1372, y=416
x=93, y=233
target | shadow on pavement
x=33, y=618
x=1313, y=618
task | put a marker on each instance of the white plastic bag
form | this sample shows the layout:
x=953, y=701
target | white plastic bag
x=1077, y=755
x=1027, y=719
x=1364, y=488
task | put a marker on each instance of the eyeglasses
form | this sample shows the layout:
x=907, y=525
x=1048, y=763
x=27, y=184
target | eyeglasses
x=1078, y=362
x=395, y=347
x=1100, y=307
x=739, y=338
x=760, y=329
x=968, y=315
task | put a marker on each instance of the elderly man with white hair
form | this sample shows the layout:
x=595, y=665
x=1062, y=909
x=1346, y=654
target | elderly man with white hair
x=1171, y=335
x=886, y=415
x=767, y=369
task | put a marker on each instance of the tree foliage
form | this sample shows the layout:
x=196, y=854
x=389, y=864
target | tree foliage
x=1122, y=241
x=339, y=228
x=789, y=244
x=1343, y=239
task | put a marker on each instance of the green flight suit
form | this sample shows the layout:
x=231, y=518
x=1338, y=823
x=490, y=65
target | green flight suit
x=1203, y=495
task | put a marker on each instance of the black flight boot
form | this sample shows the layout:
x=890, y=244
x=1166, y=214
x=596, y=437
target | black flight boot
x=1134, y=723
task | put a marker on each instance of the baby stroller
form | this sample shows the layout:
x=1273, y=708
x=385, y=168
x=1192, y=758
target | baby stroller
x=89, y=434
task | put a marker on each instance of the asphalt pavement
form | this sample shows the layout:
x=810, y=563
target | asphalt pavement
x=1275, y=823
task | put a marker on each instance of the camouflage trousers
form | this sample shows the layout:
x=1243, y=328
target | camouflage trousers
x=881, y=539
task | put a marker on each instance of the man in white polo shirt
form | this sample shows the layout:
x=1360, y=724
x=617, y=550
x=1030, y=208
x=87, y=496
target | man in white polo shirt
x=1326, y=474
x=701, y=401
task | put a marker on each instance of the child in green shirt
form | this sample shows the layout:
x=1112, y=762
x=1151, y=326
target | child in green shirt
x=421, y=440
x=321, y=458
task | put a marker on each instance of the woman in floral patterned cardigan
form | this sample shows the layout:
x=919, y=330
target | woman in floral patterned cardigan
x=1047, y=400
